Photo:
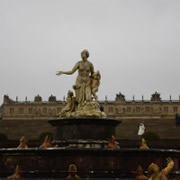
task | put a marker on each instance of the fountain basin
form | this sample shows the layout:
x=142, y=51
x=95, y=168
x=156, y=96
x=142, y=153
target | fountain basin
x=91, y=163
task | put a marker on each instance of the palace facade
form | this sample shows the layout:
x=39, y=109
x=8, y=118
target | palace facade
x=30, y=118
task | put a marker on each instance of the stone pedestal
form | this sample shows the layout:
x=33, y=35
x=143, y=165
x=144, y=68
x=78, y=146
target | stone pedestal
x=84, y=132
x=84, y=128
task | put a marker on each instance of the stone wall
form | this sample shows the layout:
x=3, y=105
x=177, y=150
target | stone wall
x=165, y=128
x=14, y=129
x=29, y=118
x=128, y=129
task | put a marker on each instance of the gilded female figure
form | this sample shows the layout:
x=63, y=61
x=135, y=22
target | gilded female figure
x=83, y=81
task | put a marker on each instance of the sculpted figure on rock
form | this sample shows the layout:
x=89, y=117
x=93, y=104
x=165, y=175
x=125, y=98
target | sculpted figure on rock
x=70, y=107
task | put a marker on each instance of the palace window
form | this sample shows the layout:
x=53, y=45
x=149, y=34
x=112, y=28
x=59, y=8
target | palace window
x=175, y=109
x=39, y=111
x=137, y=109
x=11, y=110
x=128, y=109
x=147, y=109
x=58, y=110
x=45, y=110
x=30, y=110
x=50, y=111
x=166, y=109
x=110, y=109
x=53, y=111
x=21, y=110
x=116, y=110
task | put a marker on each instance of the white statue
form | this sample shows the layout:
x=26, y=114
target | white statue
x=141, y=129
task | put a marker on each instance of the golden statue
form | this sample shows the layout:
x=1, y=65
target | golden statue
x=86, y=86
x=143, y=144
x=139, y=173
x=72, y=170
x=16, y=174
x=22, y=143
x=112, y=143
x=95, y=83
x=47, y=142
x=68, y=110
x=155, y=173
x=83, y=80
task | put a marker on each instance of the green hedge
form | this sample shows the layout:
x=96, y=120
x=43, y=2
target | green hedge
x=150, y=136
x=3, y=137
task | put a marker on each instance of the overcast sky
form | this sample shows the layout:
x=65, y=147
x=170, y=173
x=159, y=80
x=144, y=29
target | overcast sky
x=135, y=44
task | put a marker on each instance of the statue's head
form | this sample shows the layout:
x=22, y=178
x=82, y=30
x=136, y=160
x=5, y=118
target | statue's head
x=85, y=53
x=96, y=75
x=153, y=169
x=70, y=93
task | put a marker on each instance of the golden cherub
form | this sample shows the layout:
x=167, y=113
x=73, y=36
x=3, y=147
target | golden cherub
x=16, y=174
x=72, y=170
x=143, y=144
x=139, y=173
x=47, y=142
x=96, y=76
x=23, y=143
x=112, y=143
x=155, y=173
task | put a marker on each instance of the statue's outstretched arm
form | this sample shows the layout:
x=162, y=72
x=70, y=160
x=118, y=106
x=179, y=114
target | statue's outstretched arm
x=169, y=167
x=68, y=72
